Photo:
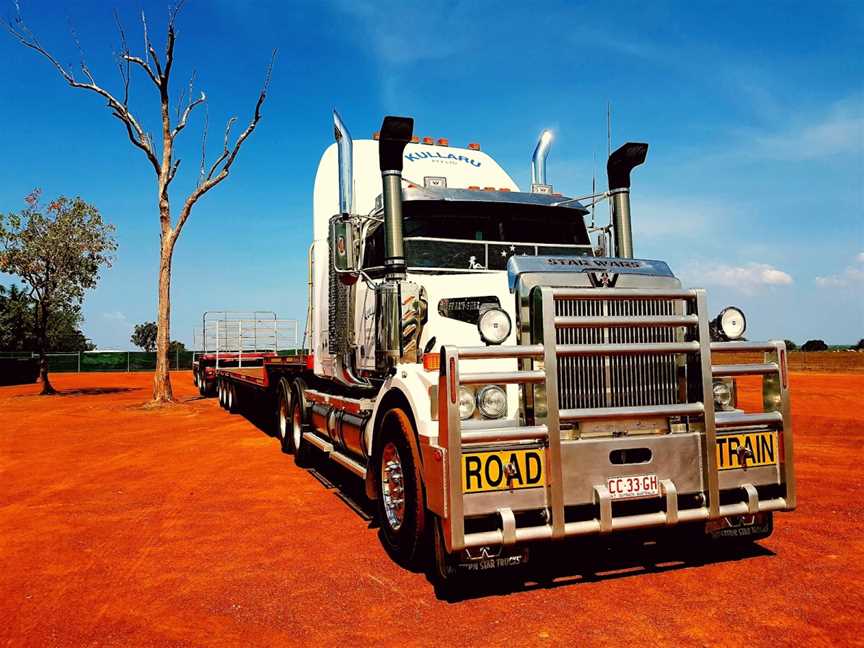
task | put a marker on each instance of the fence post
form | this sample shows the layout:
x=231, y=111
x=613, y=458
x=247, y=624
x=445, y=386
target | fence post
x=177, y=359
x=79, y=362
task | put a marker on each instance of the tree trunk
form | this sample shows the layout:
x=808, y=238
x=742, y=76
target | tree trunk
x=162, y=392
x=47, y=389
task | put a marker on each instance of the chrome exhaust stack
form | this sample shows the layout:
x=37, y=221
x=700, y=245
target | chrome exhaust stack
x=395, y=132
x=346, y=165
x=538, y=161
x=618, y=168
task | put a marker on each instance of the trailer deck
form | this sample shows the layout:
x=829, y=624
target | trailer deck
x=261, y=376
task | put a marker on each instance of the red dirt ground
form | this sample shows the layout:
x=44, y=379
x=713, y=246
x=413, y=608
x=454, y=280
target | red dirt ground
x=188, y=526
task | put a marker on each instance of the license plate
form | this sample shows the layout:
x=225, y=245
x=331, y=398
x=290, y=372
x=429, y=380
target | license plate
x=635, y=486
x=502, y=470
x=760, y=447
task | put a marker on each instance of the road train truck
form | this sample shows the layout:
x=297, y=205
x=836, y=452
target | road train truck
x=500, y=379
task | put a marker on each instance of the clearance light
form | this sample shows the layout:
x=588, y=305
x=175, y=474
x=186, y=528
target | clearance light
x=310, y=362
x=431, y=361
x=415, y=140
x=503, y=189
x=376, y=136
x=428, y=140
x=473, y=188
x=474, y=146
x=443, y=141
x=488, y=188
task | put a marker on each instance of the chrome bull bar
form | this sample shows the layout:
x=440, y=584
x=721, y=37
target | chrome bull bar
x=545, y=427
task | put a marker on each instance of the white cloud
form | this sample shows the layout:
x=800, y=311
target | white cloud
x=748, y=279
x=115, y=316
x=837, y=132
x=852, y=275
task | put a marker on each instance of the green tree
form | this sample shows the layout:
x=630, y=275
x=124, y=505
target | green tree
x=790, y=345
x=57, y=252
x=860, y=345
x=814, y=345
x=144, y=336
x=18, y=318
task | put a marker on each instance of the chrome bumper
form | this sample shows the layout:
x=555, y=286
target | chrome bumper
x=575, y=472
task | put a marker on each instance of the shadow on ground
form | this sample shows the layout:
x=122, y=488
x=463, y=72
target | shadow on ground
x=570, y=562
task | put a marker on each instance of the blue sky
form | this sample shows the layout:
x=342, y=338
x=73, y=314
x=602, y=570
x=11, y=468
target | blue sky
x=754, y=185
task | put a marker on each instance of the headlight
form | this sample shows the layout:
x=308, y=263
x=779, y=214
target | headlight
x=731, y=323
x=466, y=403
x=494, y=325
x=492, y=401
x=724, y=398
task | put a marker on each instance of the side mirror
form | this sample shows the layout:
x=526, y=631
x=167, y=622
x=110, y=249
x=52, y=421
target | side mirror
x=342, y=249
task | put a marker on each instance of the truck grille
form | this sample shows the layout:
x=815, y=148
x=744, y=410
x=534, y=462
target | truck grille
x=616, y=381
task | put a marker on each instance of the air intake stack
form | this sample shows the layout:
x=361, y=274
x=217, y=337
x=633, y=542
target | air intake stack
x=396, y=132
x=618, y=168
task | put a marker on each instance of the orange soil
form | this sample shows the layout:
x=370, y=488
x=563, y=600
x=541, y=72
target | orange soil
x=188, y=526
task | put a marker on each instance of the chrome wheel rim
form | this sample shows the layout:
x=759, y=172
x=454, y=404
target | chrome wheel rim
x=230, y=396
x=296, y=427
x=283, y=417
x=392, y=486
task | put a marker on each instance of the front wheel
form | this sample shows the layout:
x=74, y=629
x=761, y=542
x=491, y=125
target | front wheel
x=401, y=503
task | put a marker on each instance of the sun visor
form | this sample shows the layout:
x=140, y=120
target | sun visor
x=519, y=265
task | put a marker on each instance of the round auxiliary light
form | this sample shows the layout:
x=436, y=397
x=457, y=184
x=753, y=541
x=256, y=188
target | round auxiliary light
x=723, y=395
x=467, y=404
x=732, y=323
x=494, y=325
x=492, y=401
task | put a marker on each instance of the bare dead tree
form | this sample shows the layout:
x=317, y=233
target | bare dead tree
x=158, y=71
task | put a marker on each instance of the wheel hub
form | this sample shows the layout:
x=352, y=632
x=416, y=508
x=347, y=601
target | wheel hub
x=392, y=486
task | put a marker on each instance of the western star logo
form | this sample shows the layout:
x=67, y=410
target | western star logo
x=436, y=156
x=595, y=264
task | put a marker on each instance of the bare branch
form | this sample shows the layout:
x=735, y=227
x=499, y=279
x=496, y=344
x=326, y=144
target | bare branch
x=123, y=65
x=173, y=170
x=204, y=145
x=118, y=108
x=226, y=159
x=190, y=106
x=149, y=51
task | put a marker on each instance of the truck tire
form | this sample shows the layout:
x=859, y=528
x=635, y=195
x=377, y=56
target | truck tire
x=233, y=398
x=220, y=390
x=302, y=448
x=202, y=383
x=401, y=503
x=283, y=416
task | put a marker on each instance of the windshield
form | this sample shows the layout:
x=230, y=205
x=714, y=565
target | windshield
x=452, y=236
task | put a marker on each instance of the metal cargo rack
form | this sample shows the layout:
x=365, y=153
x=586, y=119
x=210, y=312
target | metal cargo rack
x=690, y=316
x=230, y=337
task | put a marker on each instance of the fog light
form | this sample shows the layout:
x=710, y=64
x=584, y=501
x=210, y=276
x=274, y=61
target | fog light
x=492, y=401
x=724, y=395
x=730, y=324
x=494, y=325
x=466, y=403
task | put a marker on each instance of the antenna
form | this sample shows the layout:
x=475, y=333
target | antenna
x=609, y=128
x=593, y=186
x=609, y=148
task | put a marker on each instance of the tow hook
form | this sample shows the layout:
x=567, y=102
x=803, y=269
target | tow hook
x=744, y=454
x=510, y=471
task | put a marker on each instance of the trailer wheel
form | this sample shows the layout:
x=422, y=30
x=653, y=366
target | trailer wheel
x=401, y=504
x=283, y=413
x=231, y=401
x=302, y=448
x=223, y=391
x=202, y=383
x=220, y=392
